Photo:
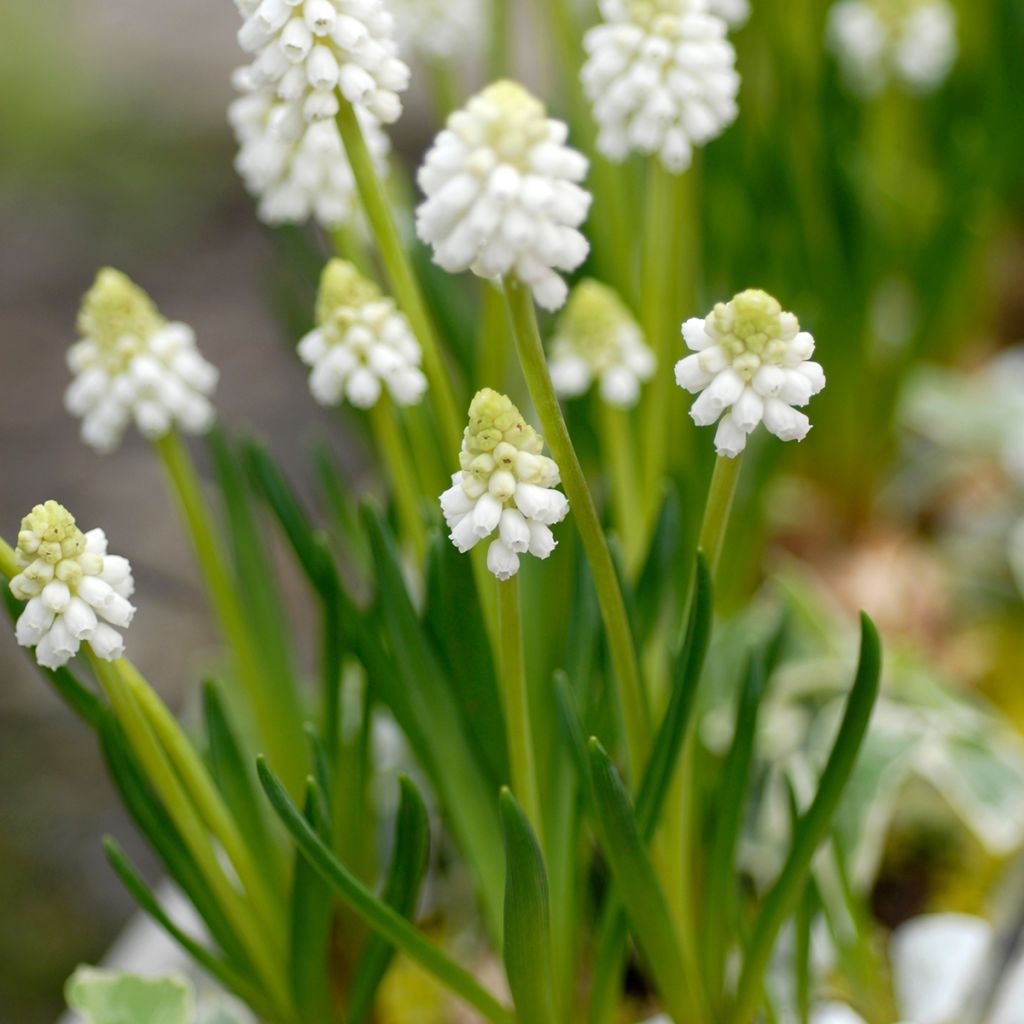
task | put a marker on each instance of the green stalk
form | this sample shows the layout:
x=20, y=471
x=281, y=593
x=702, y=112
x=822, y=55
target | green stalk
x=516, y=701
x=618, y=442
x=348, y=243
x=399, y=270
x=395, y=451
x=500, y=42
x=8, y=561
x=718, y=507
x=250, y=932
x=613, y=608
x=203, y=793
x=274, y=703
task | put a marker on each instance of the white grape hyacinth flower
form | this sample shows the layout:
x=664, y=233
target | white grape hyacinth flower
x=734, y=12
x=598, y=339
x=133, y=365
x=361, y=345
x=877, y=41
x=661, y=76
x=296, y=170
x=76, y=592
x=506, y=486
x=309, y=51
x=503, y=194
x=751, y=364
x=439, y=29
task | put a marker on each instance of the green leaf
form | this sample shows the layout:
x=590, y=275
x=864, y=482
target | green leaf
x=528, y=953
x=645, y=902
x=409, y=857
x=377, y=914
x=814, y=826
x=312, y=908
x=731, y=803
x=110, y=997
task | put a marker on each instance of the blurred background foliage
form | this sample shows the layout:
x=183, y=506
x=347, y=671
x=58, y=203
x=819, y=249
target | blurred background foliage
x=895, y=227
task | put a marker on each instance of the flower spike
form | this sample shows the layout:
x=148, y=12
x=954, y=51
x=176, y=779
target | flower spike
x=598, y=339
x=751, y=364
x=361, y=344
x=503, y=195
x=506, y=485
x=662, y=78
x=131, y=364
x=75, y=591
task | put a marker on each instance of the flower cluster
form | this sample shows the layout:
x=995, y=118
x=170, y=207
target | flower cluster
x=131, y=364
x=913, y=41
x=505, y=484
x=751, y=364
x=598, y=339
x=75, y=591
x=503, y=195
x=438, y=29
x=297, y=170
x=661, y=76
x=361, y=344
x=307, y=51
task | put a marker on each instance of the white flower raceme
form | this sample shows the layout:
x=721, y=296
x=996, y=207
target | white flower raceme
x=131, y=364
x=598, y=339
x=913, y=41
x=750, y=365
x=439, y=29
x=297, y=170
x=506, y=485
x=75, y=591
x=309, y=50
x=735, y=12
x=661, y=76
x=503, y=195
x=361, y=344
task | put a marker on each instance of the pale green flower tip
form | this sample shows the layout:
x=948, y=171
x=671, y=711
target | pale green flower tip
x=514, y=100
x=49, y=532
x=116, y=307
x=751, y=321
x=493, y=419
x=343, y=287
x=593, y=315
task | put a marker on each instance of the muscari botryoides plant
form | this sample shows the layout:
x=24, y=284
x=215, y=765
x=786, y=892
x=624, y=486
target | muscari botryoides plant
x=526, y=615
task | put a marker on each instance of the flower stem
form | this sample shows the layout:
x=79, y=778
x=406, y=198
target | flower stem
x=719, y=505
x=500, y=42
x=399, y=270
x=618, y=442
x=516, y=700
x=395, y=451
x=274, y=704
x=613, y=608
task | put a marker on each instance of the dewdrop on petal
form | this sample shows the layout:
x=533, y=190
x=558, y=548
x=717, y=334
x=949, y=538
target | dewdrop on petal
x=309, y=51
x=296, y=170
x=439, y=29
x=132, y=365
x=913, y=41
x=361, y=345
x=76, y=592
x=503, y=195
x=597, y=339
x=750, y=365
x=506, y=486
x=661, y=76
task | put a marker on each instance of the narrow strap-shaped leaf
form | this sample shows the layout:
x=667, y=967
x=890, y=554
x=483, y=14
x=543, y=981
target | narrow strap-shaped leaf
x=528, y=954
x=377, y=914
x=406, y=872
x=236, y=780
x=149, y=904
x=310, y=925
x=814, y=826
x=645, y=902
x=669, y=741
x=731, y=803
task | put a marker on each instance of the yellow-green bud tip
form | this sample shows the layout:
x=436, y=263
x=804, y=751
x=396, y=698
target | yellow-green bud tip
x=494, y=418
x=116, y=307
x=343, y=287
x=49, y=532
